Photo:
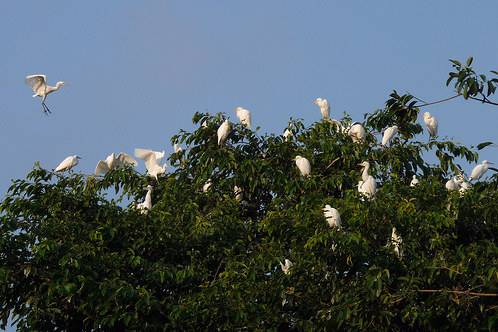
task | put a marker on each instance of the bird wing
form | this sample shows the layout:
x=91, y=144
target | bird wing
x=124, y=158
x=36, y=82
x=149, y=157
x=102, y=167
x=159, y=156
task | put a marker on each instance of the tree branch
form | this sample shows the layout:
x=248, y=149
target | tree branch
x=457, y=292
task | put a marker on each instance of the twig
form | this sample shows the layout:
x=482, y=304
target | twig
x=457, y=292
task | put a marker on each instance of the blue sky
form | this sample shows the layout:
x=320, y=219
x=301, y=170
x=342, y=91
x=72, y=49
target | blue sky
x=138, y=71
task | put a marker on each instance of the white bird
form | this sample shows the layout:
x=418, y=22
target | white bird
x=288, y=133
x=324, y=107
x=178, y=149
x=285, y=267
x=414, y=181
x=431, y=124
x=369, y=185
x=357, y=132
x=462, y=183
x=244, y=116
x=389, y=135
x=68, y=163
x=397, y=241
x=113, y=162
x=479, y=170
x=239, y=194
x=146, y=205
x=206, y=186
x=39, y=85
x=451, y=184
x=303, y=164
x=223, y=131
x=332, y=215
x=152, y=162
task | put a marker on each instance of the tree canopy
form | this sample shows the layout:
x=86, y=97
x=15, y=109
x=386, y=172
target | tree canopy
x=208, y=257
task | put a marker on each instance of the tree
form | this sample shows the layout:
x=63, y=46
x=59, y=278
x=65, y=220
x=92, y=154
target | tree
x=73, y=259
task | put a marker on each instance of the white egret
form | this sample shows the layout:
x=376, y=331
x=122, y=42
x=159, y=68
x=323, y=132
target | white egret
x=285, y=267
x=397, y=241
x=244, y=116
x=206, y=186
x=223, y=131
x=177, y=150
x=462, y=183
x=113, y=162
x=288, y=133
x=451, y=184
x=357, y=132
x=332, y=215
x=479, y=170
x=414, y=181
x=324, y=107
x=369, y=185
x=151, y=162
x=389, y=135
x=303, y=164
x=431, y=124
x=239, y=194
x=68, y=163
x=39, y=85
x=146, y=205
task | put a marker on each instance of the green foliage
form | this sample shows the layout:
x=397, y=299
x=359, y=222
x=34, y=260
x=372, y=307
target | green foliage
x=73, y=259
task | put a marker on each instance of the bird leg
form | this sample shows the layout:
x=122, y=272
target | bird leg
x=45, y=109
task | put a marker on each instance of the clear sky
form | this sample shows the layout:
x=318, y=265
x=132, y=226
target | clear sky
x=139, y=70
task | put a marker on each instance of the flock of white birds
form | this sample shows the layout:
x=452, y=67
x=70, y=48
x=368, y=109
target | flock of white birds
x=367, y=186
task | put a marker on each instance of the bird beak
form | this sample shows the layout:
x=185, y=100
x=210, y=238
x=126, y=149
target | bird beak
x=65, y=84
x=78, y=157
x=166, y=165
x=294, y=159
x=315, y=102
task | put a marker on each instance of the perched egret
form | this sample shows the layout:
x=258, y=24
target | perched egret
x=244, y=116
x=332, y=215
x=223, y=131
x=431, y=124
x=39, y=84
x=414, y=181
x=177, y=150
x=68, y=163
x=389, y=135
x=113, y=162
x=206, y=186
x=479, y=170
x=146, y=205
x=324, y=107
x=357, y=132
x=151, y=162
x=303, y=164
x=369, y=185
x=397, y=241
x=451, y=184
x=288, y=133
x=239, y=194
x=285, y=267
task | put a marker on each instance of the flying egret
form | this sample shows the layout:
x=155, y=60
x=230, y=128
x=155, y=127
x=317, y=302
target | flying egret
x=303, y=164
x=332, y=215
x=431, y=124
x=414, y=181
x=244, y=116
x=151, y=162
x=397, y=241
x=324, y=107
x=39, y=85
x=357, y=132
x=113, y=162
x=369, y=185
x=68, y=163
x=451, y=184
x=288, y=133
x=146, y=205
x=479, y=170
x=223, y=131
x=285, y=267
x=389, y=135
